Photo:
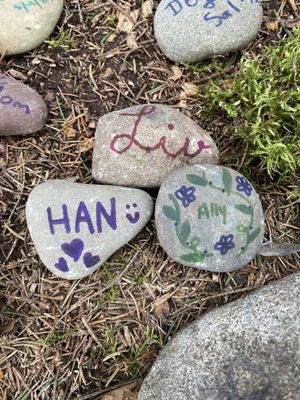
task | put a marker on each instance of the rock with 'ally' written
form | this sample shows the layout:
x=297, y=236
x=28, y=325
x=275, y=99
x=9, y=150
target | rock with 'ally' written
x=140, y=145
x=22, y=110
x=76, y=227
x=192, y=30
x=27, y=24
x=209, y=217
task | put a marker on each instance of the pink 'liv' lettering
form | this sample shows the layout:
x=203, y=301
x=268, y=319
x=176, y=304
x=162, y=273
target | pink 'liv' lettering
x=161, y=143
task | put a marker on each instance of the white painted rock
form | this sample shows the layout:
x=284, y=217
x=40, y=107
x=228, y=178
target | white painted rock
x=76, y=227
x=141, y=145
x=192, y=30
x=209, y=217
x=27, y=24
x=22, y=110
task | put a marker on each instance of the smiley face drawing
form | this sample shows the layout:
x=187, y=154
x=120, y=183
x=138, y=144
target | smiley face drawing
x=133, y=219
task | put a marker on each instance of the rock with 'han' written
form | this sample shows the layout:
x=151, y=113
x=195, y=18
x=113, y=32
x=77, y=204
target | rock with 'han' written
x=192, y=30
x=76, y=227
x=22, y=110
x=27, y=24
x=209, y=217
x=140, y=145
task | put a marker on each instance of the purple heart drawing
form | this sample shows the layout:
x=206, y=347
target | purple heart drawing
x=73, y=249
x=90, y=260
x=62, y=265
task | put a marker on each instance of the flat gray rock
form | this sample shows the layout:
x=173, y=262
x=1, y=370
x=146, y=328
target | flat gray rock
x=140, y=145
x=27, y=24
x=76, y=227
x=192, y=30
x=245, y=350
x=209, y=217
x=22, y=110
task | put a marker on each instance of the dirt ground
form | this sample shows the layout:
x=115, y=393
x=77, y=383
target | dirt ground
x=64, y=340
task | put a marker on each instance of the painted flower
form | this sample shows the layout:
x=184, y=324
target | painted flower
x=243, y=185
x=186, y=195
x=225, y=244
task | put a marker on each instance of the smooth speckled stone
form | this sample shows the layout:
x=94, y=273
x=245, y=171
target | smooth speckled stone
x=140, y=145
x=22, y=110
x=209, y=217
x=245, y=350
x=75, y=227
x=192, y=30
x=27, y=24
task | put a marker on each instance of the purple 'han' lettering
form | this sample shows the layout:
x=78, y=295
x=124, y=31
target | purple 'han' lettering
x=19, y=105
x=111, y=218
x=6, y=100
x=175, y=6
x=62, y=221
x=83, y=215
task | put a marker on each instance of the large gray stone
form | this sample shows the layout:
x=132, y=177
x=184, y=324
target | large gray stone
x=140, y=145
x=209, y=217
x=22, y=110
x=76, y=227
x=191, y=30
x=246, y=350
x=27, y=24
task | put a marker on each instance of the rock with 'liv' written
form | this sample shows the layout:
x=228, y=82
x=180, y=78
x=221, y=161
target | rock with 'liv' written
x=27, y=24
x=22, y=110
x=209, y=217
x=140, y=145
x=76, y=227
x=192, y=30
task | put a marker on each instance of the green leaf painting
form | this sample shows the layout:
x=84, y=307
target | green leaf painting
x=197, y=180
x=227, y=181
x=193, y=257
x=253, y=235
x=170, y=213
x=185, y=231
x=244, y=209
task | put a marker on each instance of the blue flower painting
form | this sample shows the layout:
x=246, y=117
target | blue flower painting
x=243, y=185
x=186, y=195
x=225, y=244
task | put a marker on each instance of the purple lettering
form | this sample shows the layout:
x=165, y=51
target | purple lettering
x=6, y=100
x=83, y=215
x=111, y=218
x=17, y=104
x=172, y=5
x=62, y=221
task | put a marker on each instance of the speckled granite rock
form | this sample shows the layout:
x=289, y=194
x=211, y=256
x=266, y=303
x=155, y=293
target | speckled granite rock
x=22, y=110
x=140, y=145
x=245, y=350
x=27, y=24
x=209, y=217
x=76, y=227
x=191, y=30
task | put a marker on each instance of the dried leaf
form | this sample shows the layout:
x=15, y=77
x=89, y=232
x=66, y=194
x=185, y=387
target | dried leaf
x=163, y=309
x=147, y=8
x=119, y=394
x=190, y=89
x=177, y=73
x=292, y=23
x=85, y=145
x=272, y=26
x=6, y=329
x=293, y=5
x=16, y=74
x=126, y=24
x=131, y=41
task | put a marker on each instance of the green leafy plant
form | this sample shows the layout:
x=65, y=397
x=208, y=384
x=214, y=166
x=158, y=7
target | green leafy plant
x=263, y=100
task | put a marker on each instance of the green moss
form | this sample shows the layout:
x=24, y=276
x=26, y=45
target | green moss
x=263, y=99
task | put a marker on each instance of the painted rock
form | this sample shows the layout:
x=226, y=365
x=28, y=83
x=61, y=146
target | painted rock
x=209, y=217
x=140, y=145
x=27, y=24
x=191, y=30
x=76, y=227
x=245, y=350
x=22, y=110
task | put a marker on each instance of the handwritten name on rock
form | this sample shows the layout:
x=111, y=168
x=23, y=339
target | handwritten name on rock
x=7, y=100
x=232, y=7
x=130, y=140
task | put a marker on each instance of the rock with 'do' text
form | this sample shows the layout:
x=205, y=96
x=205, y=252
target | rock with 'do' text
x=245, y=350
x=140, y=145
x=191, y=30
x=76, y=227
x=27, y=24
x=22, y=110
